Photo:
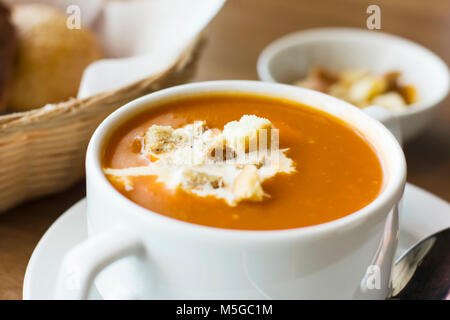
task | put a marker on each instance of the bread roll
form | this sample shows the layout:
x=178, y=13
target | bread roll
x=51, y=58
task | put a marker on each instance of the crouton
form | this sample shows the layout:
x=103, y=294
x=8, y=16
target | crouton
x=392, y=101
x=366, y=88
x=160, y=139
x=317, y=79
x=348, y=77
x=247, y=185
x=193, y=179
x=244, y=134
x=219, y=151
x=409, y=94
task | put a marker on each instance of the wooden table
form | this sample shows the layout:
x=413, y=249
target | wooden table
x=237, y=35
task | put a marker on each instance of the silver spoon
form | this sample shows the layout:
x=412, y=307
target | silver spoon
x=423, y=271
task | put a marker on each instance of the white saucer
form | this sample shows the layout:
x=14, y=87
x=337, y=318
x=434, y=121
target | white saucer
x=422, y=214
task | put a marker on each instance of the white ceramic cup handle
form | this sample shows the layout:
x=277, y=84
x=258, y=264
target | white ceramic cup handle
x=81, y=264
x=387, y=118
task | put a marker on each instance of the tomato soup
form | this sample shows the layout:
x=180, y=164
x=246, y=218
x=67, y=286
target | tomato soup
x=337, y=171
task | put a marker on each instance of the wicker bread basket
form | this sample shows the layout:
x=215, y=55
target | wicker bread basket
x=42, y=151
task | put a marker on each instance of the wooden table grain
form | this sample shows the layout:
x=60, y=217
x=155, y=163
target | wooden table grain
x=237, y=35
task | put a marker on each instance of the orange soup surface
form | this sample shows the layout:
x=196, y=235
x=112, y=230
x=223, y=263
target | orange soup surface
x=337, y=171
